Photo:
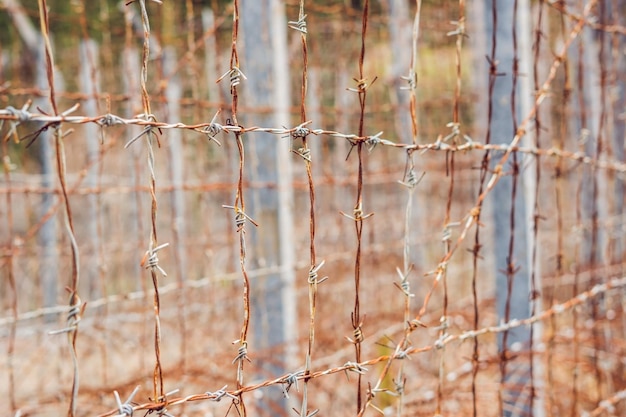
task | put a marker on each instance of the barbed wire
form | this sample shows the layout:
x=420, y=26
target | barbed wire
x=212, y=129
x=449, y=144
x=363, y=367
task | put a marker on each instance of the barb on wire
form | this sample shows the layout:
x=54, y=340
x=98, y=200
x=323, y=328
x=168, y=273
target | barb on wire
x=240, y=217
x=151, y=261
x=357, y=214
x=357, y=334
x=361, y=85
x=300, y=131
x=126, y=408
x=33, y=136
x=109, y=120
x=213, y=129
x=313, y=274
x=242, y=352
x=221, y=393
x=459, y=28
x=74, y=315
x=374, y=140
x=21, y=116
x=148, y=130
x=411, y=80
x=299, y=25
x=234, y=75
x=404, y=284
x=354, y=367
x=412, y=180
x=290, y=380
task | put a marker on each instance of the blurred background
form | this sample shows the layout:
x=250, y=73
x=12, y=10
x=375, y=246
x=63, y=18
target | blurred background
x=471, y=255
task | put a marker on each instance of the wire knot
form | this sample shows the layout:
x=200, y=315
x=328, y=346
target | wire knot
x=411, y=79
x=361, y=85
x=234, y=75
x=355, y=367
x=289, y=381
x=151, y=260
x=372, y=141
x=404, y=285
x=213, y=129
x=110, y=120
x=221, y=393
x=447, y=231
x=357, y=213
x=22, y=114
x=299, y=25
x=150, y=119
x=242, y=353
x=313, y=274
x=240, y=218
x=77, y=308
x=300, y=132
x=305, y=153
x=460, y=28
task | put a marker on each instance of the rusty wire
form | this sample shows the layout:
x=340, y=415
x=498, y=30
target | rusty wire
x=313, y=279
x=75, y=303
x=241, y=218
x=362, y=367
x=357, y=214
x=471, y=218
x=150, y=259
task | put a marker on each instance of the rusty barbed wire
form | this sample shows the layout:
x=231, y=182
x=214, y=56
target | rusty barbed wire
x=362, y=368
x=403, y=349
x=213, y=128
x=76, y=306
x=150, y=259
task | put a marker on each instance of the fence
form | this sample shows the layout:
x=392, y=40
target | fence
x=366, y=252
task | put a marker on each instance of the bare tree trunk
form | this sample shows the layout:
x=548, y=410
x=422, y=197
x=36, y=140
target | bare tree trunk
x=173, y=94
x=273, y=296
x=509, y=209
x=130, y=69
x=618, y=123
x=47, y=236
x=210, y=55
x=89, y=81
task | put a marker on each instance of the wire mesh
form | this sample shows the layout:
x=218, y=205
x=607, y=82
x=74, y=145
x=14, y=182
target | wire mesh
x=397, y=247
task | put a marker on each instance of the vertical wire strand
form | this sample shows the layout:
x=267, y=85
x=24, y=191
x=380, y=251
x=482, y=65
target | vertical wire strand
x=447, y=244
x=534, y=288
x=158, y=385
x=511, y=267
x=357, y=321
x=240, y=214
x=412, y=77
x=408, y=214
x=74, y=300
x=313, y=271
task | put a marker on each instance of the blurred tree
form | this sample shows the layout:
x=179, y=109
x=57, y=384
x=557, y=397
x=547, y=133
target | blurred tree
x=500, y=22
x=273, y=307
x=34, y=46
